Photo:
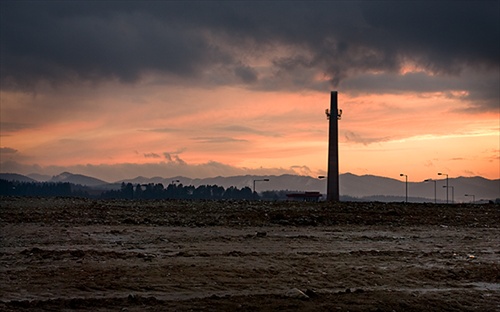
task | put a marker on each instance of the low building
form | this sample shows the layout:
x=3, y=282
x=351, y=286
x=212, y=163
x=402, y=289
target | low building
x=306, y=196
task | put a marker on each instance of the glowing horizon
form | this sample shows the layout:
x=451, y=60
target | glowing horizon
x=248, y=141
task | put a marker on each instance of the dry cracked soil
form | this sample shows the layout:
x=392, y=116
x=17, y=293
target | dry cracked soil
x=71, y=254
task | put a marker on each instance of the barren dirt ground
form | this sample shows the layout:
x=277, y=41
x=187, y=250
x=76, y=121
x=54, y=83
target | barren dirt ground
x=87, y=255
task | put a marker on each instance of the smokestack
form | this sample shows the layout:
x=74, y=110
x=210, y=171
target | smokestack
x=332, y=187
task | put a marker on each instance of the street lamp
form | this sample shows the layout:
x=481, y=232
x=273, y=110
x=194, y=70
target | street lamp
x=452, y=192
x=473, y=197
x=439, y=173
x=404, y=175
x=430, y=180
x=266, y=180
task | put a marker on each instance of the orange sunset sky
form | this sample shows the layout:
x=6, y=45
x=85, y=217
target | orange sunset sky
x=117, y=90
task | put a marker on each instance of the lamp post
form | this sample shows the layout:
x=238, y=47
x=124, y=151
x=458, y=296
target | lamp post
x=439, y=173
x=452, y=192
x=473, y=197
x=406, y=176
x=430, y=180
x=266, y=180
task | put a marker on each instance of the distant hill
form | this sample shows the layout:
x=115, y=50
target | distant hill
x=352, y=187
x=15, y=177
x=373, y=186
x=40, y=177
x=77, y=179
x=369, y=187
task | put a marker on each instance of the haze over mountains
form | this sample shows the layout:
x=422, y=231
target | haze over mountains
x=367, y=187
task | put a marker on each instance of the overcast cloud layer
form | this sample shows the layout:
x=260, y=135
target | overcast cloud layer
x=63, y=42
x=231, y=86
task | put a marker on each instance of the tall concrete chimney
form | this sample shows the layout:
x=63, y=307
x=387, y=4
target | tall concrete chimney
x=332, y=187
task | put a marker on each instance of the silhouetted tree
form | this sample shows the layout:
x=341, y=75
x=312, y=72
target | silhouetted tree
x=127, y=190
x=138, y=191
x=246, y=193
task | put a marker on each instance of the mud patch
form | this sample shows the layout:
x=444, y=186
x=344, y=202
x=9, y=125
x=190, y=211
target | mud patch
x=76, y=254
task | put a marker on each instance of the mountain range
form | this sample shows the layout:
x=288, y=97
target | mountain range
x=367, y=187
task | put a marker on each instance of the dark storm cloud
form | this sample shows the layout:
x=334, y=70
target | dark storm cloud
x=351, y=136
x=217, y=140
x=441, y=35
x=246, y=74
x=7, y=150
x=172, y=158
x=61, y=41
x=67, y=41
x=151, y=155
x=8, y=127
x=482, y=88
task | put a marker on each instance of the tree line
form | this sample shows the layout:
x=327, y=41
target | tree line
x=178, y=191
x=137, y=191
x=15, y=188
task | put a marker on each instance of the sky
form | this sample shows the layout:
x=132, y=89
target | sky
x=117, y=89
